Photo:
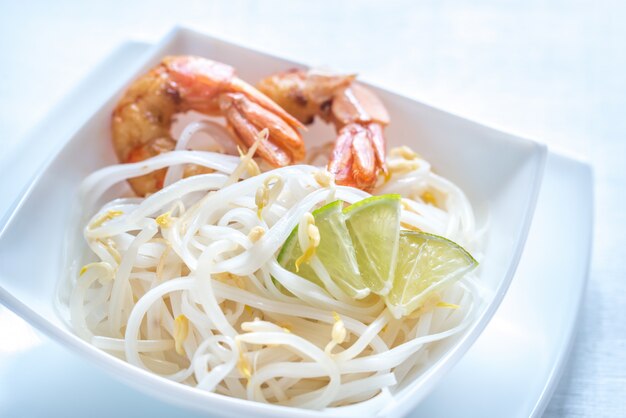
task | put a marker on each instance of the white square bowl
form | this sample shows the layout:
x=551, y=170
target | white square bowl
x=500, y=173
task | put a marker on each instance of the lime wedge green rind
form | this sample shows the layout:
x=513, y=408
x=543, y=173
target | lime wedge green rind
x=374, y=226
x=426, y=264
x=370, y=200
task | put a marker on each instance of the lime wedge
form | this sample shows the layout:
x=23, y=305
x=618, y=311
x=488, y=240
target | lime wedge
x=426, y=263
x=335, y=252
x=374, y=225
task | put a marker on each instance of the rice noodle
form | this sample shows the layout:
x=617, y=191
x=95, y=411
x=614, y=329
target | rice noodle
x=185, y=283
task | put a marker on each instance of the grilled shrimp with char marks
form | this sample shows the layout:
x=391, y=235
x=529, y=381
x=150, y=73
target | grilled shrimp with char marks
x=143, y=117
x=358, y=156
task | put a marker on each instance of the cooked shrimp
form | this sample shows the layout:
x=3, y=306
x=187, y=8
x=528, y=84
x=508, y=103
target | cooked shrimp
x=359, y=116
x=143, y=117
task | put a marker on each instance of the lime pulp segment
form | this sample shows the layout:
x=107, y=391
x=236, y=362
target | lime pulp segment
x=426, y=263
x=335, y=252
x=374, y=226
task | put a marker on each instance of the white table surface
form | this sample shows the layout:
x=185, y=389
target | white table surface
x=551, y=70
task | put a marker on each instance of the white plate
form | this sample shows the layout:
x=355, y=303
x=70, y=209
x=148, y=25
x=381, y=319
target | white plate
x=509, y=372
x=506, y=172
